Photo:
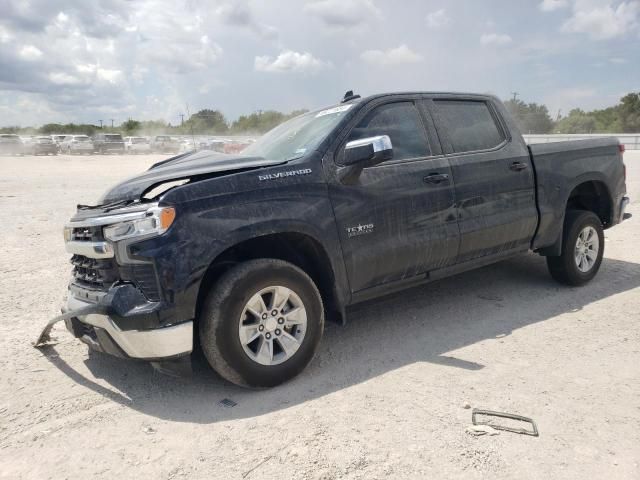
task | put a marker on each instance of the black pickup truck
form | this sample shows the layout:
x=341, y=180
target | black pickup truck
x=246, y=255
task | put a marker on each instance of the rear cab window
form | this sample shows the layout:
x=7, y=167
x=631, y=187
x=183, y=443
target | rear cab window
x=401, y=121
x=470, y=125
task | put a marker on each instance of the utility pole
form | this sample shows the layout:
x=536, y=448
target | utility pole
x=515, y=95
x=100, y=123
x=111, y=122
x=559, y=115
x=181, y=115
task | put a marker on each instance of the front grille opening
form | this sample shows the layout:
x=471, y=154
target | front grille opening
x=87, y=234
x=93, y=273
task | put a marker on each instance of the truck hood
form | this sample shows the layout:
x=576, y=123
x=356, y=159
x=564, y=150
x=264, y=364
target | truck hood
x=189, y=167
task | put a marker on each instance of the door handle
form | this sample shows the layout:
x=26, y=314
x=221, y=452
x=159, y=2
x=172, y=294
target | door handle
x=518, y=166
x=436, y=178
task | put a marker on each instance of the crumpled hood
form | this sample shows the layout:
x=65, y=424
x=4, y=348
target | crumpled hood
x=189, y=165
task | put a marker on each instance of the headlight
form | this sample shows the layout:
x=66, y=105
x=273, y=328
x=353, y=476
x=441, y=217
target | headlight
x=157, y=221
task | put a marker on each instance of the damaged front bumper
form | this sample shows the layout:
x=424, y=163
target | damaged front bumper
x=101, y=333
x=97, y=325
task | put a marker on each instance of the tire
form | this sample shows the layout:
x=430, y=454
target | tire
x=225, y=310
x=566, y=268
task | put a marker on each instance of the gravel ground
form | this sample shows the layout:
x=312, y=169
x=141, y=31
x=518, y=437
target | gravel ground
x=384, y=398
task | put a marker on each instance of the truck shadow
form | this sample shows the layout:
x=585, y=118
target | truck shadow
x=423, y=324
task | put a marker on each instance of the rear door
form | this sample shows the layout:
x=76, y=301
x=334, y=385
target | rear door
x=493, y=176
x=394, y=221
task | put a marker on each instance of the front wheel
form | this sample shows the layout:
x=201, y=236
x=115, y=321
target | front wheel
x=582, y=249
x=262, y=322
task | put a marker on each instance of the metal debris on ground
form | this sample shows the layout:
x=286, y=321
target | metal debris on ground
x=478, y=430
x=225, y=402
x=477, y=412
x=246, y=474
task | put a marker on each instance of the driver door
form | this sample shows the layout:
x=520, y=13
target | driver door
x=396, y=221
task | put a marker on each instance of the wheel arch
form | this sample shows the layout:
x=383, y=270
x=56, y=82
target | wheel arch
x=300, y=249
x=590, y=194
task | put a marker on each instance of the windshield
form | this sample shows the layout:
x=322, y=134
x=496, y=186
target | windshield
x=297, y=136
x=9, y=139
x=113, y=138
x=81, y=139
x=137, y=140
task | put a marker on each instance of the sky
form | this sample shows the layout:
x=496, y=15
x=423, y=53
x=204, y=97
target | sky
x=83, y=61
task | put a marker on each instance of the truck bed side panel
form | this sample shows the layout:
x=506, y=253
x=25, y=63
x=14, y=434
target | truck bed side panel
x=561, y=167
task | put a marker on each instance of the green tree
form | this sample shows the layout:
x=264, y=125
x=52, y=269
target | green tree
x=206, y=121
x=531, y=117
x=131, y=127
x=630, y=113
x=577, y=122
x=262, y=121
x=607, y=120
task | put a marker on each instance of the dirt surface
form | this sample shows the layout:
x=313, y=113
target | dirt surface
x=384, y=398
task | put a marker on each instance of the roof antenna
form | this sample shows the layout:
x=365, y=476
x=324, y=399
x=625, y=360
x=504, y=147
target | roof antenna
x=349, y=96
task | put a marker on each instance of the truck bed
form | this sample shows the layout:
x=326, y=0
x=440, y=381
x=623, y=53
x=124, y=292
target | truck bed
x=562, y=166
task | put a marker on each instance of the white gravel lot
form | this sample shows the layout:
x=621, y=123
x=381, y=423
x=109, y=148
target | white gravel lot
x=384, y=398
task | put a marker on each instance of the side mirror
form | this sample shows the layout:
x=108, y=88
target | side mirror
x=367, y=152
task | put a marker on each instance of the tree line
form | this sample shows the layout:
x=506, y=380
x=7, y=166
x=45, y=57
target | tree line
x=530, y=118
x=621, y=118
x=204, y=122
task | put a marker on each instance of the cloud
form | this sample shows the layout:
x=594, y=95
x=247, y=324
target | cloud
x=498, y=39
x=552, y=5
x=5, y=35
x=603, y=22
x=30, y=53
x=391, y=56
x=238, y=14
x=343, y=13
x=438, y=19
x=290, y=61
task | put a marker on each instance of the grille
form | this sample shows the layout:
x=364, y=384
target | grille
x=100, y=274
x=87, y=234
x=93, y=273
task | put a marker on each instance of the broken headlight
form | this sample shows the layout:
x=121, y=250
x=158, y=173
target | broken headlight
x=157, y=220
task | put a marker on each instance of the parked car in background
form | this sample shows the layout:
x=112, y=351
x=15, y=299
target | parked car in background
x=235, y=147
x=216, y=145
x=58, y=139
x=10, y=144
x=42, y=145
x=137, y=145
x=108, y=143
x=164, y=144
x=186, y=145
x=74, y=144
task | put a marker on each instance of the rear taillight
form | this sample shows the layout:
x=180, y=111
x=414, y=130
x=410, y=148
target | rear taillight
x=621, y=147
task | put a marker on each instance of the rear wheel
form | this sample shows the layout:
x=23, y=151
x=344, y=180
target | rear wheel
x=582, y=249
x=262, y=323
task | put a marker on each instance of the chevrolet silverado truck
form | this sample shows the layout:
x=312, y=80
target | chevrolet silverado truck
x=244, y=256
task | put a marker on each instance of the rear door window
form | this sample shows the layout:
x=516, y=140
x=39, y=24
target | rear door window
x=402, y=123
x=470, y=125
